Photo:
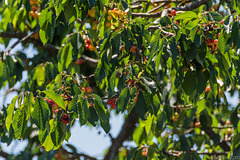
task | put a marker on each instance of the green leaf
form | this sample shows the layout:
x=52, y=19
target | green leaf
x=40, y=113
x=140, y=105
x=43, y=17
x=28, y=103
x=91, y=3
x=139, y=134
x=19, y=122
x=9, y=118
x=92, y=116
x=172, y=48
x=184, y=143
x=189, y=84
x=48, y=143
x=100, y=109
x=83, y=111
x=56, y=98
x=123, y=99
x=73, y=104
x=124, y=4
x=186, y=15
x=40, y=75
x=148, y=124
x=221, y=42
x=111, y=84
x=57, y=135
x=156, y=42
x=77, y=45
x=215, y=16
x=161, y=121
x=100, y=73
x=3, y=73
x=236, y=34
x=236, y=151
x=64, y=57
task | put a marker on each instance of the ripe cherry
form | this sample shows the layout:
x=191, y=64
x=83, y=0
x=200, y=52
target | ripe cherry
x=87, y=47
x=51, y=102
x=65, y=120
x=31, y=13
x=228, y=122
x=88, y=41
x=108, y=24
x=65, y=116
x=197, y=124
x=173, y=13
x=79, y=61
x=56, y=111
x=222, y=21
x=83, y=89
x=133, y=49
x=89, y=89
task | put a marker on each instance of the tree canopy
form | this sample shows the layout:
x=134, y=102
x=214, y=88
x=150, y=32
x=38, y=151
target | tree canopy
x=166, y=64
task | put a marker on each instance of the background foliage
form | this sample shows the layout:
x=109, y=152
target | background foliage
x=166, y=65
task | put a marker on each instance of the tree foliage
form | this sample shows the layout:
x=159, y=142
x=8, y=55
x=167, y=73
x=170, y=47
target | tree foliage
x=167, y=65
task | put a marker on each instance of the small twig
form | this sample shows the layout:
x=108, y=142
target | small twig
x=230, y=6
x=165, y=33
x=175, y=153
x=189, y=7
x=124, y=56
x=20, y=41
x=158, y=7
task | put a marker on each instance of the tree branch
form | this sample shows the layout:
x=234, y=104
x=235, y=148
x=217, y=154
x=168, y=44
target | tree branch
x=4, y=154
x=213, y=135
x=49, y=47
x=189, y=7
x=126, y=131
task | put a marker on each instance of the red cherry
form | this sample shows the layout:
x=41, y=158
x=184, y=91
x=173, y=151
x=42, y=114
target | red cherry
x=87, y=47
x=89, y=89
x=56, y=111
x=51, y=102
x=33, y=8
x=222, y=21
x=79, y=61
x=65, y=120
x=173, y=13
x=89, y=41
x=65, y=116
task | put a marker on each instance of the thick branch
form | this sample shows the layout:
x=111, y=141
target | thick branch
x=213, y=135
x=189, y=7
x=176, y=153
x=126, y=131
x=49, y=47
x=4, y=154
x=192, y=5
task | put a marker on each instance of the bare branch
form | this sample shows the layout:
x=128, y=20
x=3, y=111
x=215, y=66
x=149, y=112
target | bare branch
x=126, y=131
x=189, y=7
x=176, y=153
x=20, y=41
x=4, y=154
x=49, y=47
x=165, y=33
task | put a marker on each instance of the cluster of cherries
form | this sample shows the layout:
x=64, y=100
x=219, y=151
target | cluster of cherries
x=116, y=14
x=112, y=103
x=93, y=21
x=64, y=118
x=35, y=12
x=89, y=45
